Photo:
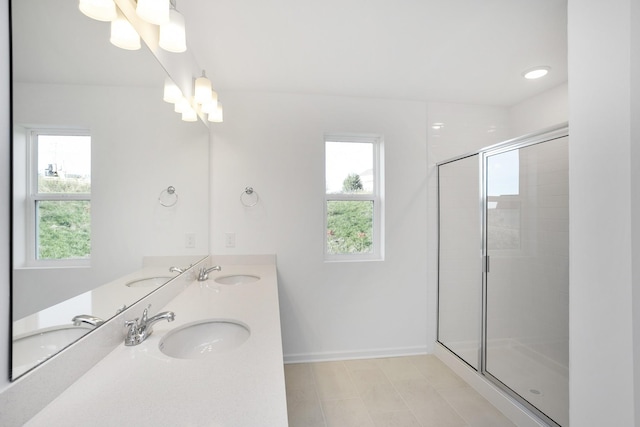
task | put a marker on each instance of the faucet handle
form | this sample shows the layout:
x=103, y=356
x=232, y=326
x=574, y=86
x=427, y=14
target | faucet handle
x=145, y=314
x=130, y=323
x=132, y=331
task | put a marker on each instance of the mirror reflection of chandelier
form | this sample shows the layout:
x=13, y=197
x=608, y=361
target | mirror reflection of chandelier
x=171, y=37
x=162, y=13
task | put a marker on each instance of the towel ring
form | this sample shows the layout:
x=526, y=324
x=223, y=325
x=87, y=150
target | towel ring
x=168, y=197
x=249, y=197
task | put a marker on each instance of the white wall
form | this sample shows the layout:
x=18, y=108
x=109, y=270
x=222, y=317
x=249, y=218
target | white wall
x=467, y=128
x=604, y=165
x=274, y=143
x=539, y=112
x=139, y=147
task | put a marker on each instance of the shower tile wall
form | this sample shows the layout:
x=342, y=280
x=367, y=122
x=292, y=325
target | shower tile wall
x=528, y=283
x=463, y=128
x=527, y=319
x=460, y=259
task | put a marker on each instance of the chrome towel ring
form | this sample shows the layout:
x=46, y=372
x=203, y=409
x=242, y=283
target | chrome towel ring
x=168, y=197
x=249, y=197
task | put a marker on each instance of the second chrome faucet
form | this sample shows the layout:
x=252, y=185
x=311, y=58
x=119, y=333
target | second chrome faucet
x=204, y=272
x=141, y=328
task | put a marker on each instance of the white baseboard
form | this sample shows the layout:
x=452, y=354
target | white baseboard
x=513, y=410
x=357, y=354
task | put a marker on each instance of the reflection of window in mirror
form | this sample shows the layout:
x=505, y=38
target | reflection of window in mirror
x=58, y=205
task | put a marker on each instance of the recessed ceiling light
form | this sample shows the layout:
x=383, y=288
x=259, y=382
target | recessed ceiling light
x=536, y=73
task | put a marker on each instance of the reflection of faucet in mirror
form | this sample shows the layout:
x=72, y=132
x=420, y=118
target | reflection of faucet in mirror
x=88, y=319
x=204, y=272
x=176, y=270
x=45, y=92
x=141, y=329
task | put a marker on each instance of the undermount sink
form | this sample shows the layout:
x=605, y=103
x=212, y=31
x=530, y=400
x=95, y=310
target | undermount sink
x=205, y=338
x=34, y=347
x=149, y=282
x=236, y=279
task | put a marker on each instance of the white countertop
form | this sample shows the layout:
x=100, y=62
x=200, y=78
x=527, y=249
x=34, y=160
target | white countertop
x=102, y=302
x=141, y=386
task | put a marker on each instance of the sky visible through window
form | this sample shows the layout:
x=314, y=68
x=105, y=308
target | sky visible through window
x=70, y=154
x=504, y=173
x=344, y=158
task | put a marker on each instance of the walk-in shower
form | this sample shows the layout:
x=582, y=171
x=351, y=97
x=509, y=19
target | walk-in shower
x=503, y=276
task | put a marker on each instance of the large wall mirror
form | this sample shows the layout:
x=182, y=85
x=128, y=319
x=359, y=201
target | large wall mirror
x=95, y=151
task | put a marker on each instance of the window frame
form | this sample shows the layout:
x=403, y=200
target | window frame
x=33, y=197
x=376, y=197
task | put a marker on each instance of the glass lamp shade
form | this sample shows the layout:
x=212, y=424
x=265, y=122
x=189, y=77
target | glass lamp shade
x=100, y=10
x=154, y=11
x=123, y=34
x=172, y=34
x=209, y=107
x=216, y=115
x=202, y=90
x=182, y=105
x=189, y=115
x=172, y=92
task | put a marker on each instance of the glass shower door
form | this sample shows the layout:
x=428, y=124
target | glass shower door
x=460, y=258
x=527, y=285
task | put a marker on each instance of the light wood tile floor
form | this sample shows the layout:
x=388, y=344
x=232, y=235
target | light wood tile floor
x=418, y=391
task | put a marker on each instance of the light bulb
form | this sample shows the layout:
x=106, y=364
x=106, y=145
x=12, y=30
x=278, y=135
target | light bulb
x=209, y=107
x=182, y=105
x=189, y=115
x=123, y=34
x=216, y=116
x=172, y=34
x=172, y=92
x=100, y=10
x=202, y=90
x=536, y=73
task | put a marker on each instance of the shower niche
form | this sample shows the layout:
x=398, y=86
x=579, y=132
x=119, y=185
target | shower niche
x=503, y=267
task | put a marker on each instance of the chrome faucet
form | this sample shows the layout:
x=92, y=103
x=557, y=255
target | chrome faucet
x=88, y=319
x=176, y=270
x=204, y=272
x=141, y=329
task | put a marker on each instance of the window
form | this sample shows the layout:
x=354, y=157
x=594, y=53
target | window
x=59, y=197
x=353, y=202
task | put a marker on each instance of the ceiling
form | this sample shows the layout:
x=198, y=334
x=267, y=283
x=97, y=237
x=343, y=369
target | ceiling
x=465, y=51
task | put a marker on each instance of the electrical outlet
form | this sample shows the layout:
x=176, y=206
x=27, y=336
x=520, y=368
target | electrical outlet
x=190, y=240
x=230, y=240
